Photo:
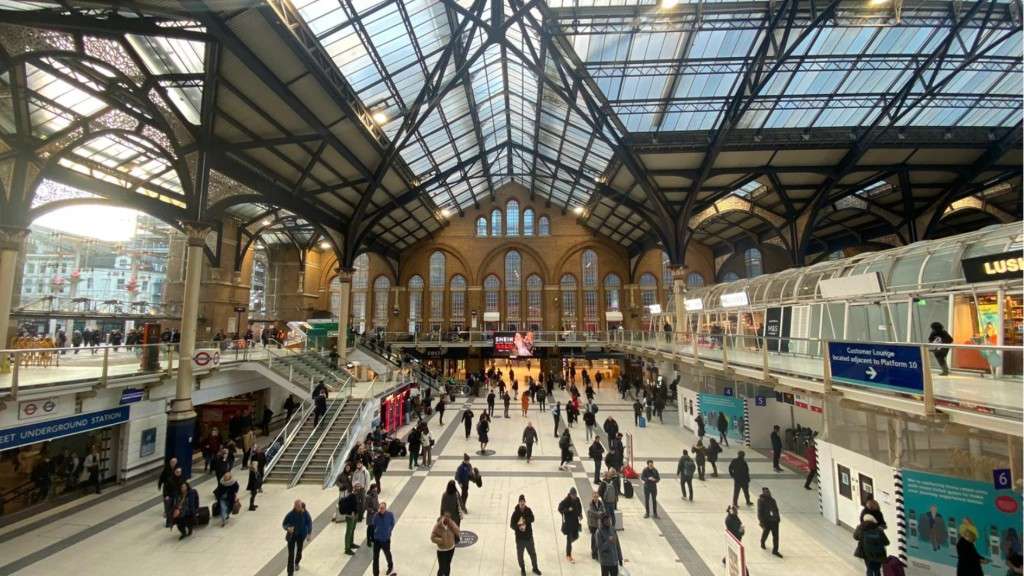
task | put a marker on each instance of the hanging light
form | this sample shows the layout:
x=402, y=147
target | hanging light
x=578, y=210
x=325, y=245
x=380, y=117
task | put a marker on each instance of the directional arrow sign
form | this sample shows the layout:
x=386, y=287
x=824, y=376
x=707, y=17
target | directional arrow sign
x=895, y=367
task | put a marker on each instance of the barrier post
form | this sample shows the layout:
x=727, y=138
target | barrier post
x=926, y=375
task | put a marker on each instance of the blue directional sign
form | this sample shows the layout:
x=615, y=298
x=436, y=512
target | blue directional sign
x=760, y=401
x=1002, y=479
x=895, y=367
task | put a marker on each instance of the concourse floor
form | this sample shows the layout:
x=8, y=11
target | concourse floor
x=121, y=532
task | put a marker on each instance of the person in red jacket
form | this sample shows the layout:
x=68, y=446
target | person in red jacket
x=811, y=455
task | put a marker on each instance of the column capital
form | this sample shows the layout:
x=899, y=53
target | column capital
x=195, y=232
x=345, y=274
x=678, y=272
x=12, y=237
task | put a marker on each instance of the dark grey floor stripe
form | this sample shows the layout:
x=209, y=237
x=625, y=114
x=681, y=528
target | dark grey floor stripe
x=81, y=535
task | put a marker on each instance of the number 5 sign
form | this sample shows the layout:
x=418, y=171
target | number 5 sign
x=1002, y=479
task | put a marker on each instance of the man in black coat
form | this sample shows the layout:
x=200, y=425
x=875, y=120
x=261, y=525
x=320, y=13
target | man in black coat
x=740, y=473
x=768, y=518
x=776, y=448
x=522, y=526
x=597, y=455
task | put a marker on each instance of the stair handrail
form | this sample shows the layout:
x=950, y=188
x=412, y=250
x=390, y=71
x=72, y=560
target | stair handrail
x=287, y=434
x=340, y=401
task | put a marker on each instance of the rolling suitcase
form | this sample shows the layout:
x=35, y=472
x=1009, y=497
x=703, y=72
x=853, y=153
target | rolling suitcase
x=203, y=516
x=522, y=451
x=643, y=422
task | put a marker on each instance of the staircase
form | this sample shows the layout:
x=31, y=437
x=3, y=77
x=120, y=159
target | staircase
x=307, y=368
x=375, y=350
x=302, y=446
x=317, y=463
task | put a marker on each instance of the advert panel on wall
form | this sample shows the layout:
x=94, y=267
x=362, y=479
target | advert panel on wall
x=939, y=508
x=732, y=407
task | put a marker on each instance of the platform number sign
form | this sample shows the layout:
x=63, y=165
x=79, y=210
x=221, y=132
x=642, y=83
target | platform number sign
x=1002, y=478
x=761, y=401
x=728, y=391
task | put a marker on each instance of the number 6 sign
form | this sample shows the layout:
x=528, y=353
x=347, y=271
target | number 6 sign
x=1002, y=479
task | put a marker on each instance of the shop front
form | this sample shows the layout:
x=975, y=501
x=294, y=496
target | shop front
x=395, y=408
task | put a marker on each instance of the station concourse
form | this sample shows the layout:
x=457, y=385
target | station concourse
x=648, y=287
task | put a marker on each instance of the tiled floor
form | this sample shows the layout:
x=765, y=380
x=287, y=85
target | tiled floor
x=124, y=534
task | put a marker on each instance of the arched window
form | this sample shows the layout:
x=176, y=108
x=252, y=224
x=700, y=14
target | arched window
x=360, y=283
x=648, y=291
x=258, y=286
x=752, y=262
x=496, y=224
x=589, y=276
x=457, y=307
x=437, y=286
x=381, y=288
x=512, y=218
x=492, y=286
x=416, y=299
x=568, y=286
x=612, y=290
x=694, y=280
x=481, y=227
x=528, y=222
x=730, y=277
x=543, y=226
x=513, y=285
x=534, y=300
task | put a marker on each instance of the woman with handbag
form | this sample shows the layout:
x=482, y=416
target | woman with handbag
x=572, y=515
x=186, y=506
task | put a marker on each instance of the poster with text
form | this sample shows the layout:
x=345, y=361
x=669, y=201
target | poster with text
x=938, y=508
x=732, y=407
x=513, y=344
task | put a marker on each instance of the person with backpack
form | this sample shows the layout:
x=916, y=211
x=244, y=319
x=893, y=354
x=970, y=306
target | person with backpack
x=529, y=439
x=610, y=491
x=685, y=470
x=596, y=453
x=768, y=517
x=571, y=510
x=463, y=474
x=871, y=543
x=565, y=446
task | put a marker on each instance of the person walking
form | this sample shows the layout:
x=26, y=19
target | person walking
x=685, y=470
x=650, y=478
x=445, y=535
x=186, y=506
x=590, y=421
x=700, y=457
x=463, y=474
x=91, y=468
x=298, y=529
x=226, y=495
x=571, y=510
x=441, y=405
x=450, y=503
x=701, y=431
x=811, y=455
x=739, y=471
x=541, y=397
x=522, y=526
x=371, y=502
x=169, y=484
x=483, y=426
x=776, y=448
x=638, y=409
x=428, y=446
x=467, y=421
x=254, y=484
x=556, y=413
x=596, y=453
x=490, y=403
x=723, y=428
x=415, y=443
x=768, y=518
x=506, y=400
x=595, y=510
x=871, y=543
x=939, y=335
x=348, y=510
x=383, y=525
x=524, y=401
x=610, y=491
x=529, y=439
x=609, y=552
x=714, y=449
x=565, y=447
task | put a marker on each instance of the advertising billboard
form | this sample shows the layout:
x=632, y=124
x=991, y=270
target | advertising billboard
x=513, y=344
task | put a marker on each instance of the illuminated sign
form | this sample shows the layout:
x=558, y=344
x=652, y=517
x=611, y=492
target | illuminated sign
x=693, y=304
x=654, y=308
x=1003, y=266
x=734, y=299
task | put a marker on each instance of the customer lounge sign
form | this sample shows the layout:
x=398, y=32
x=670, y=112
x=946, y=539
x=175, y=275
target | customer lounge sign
x=1002, y=266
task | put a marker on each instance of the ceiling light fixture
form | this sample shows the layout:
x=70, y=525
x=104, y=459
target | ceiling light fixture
x=877, y=2
x=325, y=245
x=380, y=117
x=578, y=210
x=445, y=212
x=666, y=4
x=266, y=222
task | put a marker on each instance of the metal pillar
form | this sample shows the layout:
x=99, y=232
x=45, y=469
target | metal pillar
x=344, y=297
x=181, y=420
x=11, y=242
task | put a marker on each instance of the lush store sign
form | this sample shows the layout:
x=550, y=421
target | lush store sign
x=1003, y=266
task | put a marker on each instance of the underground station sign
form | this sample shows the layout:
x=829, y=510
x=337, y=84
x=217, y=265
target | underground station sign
x=887, y=366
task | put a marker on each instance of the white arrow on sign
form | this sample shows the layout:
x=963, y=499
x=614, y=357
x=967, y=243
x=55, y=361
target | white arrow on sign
x=871, y=373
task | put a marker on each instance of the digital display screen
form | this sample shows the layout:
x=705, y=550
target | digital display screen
x=513, y=344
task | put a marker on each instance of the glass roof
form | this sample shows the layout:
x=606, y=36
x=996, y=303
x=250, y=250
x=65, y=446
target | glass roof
x=490, y=122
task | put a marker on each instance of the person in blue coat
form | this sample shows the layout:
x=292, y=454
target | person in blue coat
x=298, y=528
x=383, y=525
